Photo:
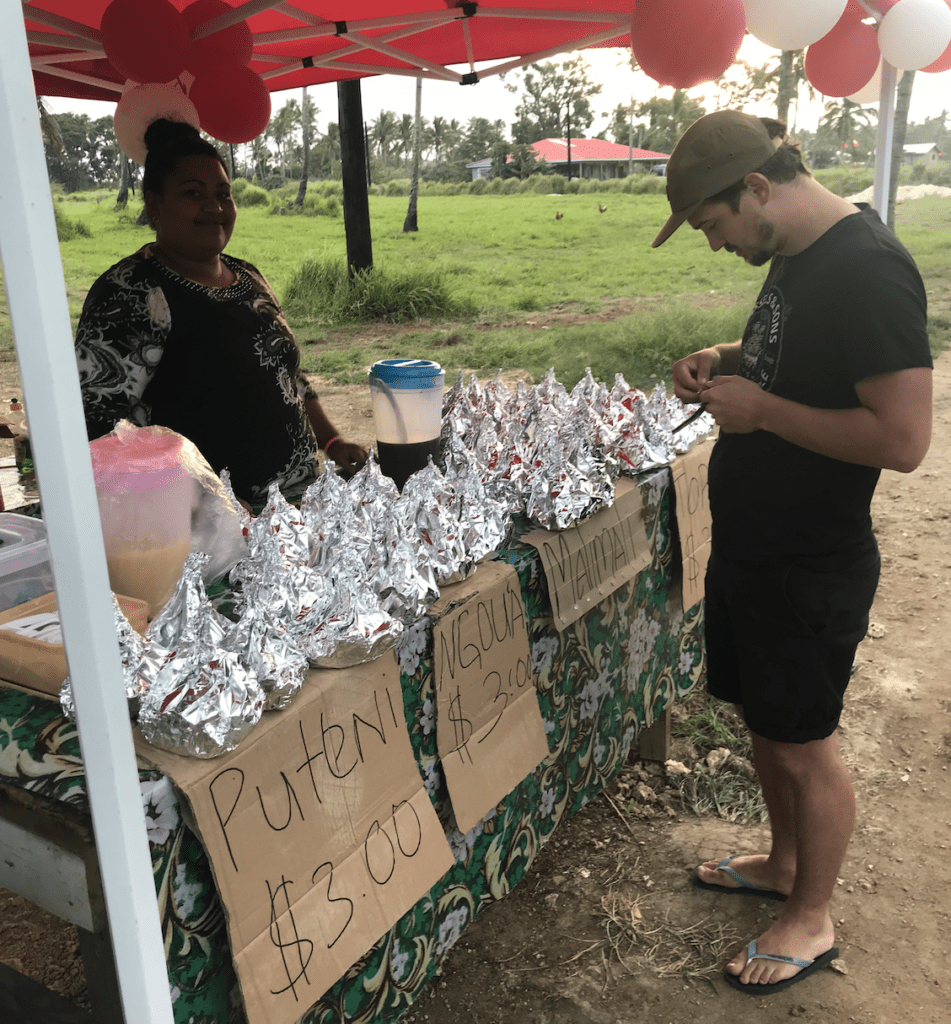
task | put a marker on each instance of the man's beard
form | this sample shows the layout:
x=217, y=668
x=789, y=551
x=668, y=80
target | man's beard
x=765, y=233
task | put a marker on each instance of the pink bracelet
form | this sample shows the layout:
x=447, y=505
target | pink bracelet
x=336, y=437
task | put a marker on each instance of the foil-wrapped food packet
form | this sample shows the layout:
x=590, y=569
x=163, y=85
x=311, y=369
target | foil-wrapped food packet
x=202, y=700
x=425, y=511
x=269, y=650
x=357, y=630
x=135, y=675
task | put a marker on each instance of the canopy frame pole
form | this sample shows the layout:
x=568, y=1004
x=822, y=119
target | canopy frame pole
x=885, y=137
x=39, y=314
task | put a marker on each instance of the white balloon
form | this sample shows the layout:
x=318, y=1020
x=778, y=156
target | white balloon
x=870, y=92
x=914, y=33
x=143, y=104
x=791, y=26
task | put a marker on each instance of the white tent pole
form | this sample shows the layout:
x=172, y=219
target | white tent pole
x=36, y=295
x=884, y=139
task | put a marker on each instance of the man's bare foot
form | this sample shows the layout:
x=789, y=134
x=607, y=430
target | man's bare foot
x=754, y=868
x=806, y=937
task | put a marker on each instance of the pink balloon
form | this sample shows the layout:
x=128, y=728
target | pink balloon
x=145, y=40
x=844, y=60
x=232, y=101
x=232, y=45
x=686, y=43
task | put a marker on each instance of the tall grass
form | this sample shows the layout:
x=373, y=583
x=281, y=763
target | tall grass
x=482, y=268
x=641, y=346
x=321, y=292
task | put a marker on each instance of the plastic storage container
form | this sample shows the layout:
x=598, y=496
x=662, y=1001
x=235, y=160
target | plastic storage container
x=406, y=398
x=25, y=571
x=145, y=505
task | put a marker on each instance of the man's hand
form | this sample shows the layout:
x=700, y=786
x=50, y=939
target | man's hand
x=890, y=429
x=694, y=372
x=735, y=403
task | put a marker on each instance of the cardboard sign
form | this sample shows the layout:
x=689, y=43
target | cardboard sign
x=319, y=832
x=692, y=501
x=588, y=562
x=489, y=731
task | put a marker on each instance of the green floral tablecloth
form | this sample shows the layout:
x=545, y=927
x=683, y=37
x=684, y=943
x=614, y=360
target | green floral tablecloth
x=599, y=683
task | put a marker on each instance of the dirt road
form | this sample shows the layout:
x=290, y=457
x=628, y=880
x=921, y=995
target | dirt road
x=555, y=951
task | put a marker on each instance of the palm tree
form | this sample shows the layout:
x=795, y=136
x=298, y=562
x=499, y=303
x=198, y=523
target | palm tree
x=282, y=130
x=328, y=149
x=843, y=118
x=49, y=127
x=900, y=125
x=410, y=224
x=260, y=157
x=125, y=182
x=404, y=135
x=383, y=131
x=308, y=113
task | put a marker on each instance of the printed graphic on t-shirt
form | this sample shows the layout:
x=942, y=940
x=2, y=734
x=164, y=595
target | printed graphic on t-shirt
x=763, y=340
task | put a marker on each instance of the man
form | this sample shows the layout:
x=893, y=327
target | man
x=830, y=384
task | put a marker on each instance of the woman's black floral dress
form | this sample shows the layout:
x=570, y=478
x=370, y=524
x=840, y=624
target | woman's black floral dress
x=218, y=365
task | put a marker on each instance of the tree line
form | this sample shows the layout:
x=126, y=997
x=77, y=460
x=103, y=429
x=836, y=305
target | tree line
x=555, y=101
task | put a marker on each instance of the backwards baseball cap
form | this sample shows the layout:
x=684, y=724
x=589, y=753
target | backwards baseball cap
x=714, y=153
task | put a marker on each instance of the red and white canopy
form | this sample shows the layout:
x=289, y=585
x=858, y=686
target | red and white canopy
x=308, y=42
x=63, y=45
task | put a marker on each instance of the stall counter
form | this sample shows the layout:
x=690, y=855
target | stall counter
x=600, y=681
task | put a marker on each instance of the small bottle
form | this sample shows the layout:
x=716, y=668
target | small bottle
x=22, y=449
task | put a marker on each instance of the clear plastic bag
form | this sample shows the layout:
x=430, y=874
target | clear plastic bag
x=216, y=529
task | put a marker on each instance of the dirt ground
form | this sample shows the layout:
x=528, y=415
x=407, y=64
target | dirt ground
x=606, y=926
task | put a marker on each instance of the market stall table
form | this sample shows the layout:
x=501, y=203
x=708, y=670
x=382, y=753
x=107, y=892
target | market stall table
x=601, y=681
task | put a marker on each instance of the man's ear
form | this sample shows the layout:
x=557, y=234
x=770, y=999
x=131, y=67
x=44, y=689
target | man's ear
x=759, y=186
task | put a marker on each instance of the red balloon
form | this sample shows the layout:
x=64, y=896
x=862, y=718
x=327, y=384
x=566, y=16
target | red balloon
x=845, y=59
x=232, y=45
x=686, y=43
x=233, y=102
x=943, y=63
x=145, y=40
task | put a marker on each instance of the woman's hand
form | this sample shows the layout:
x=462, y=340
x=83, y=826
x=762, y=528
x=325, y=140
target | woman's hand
x=348, y=456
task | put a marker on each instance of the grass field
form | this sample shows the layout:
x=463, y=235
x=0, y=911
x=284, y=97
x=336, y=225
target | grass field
x=502, y=259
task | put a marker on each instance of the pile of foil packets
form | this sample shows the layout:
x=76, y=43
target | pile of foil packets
x=335, y=582
x=197, y=682
x=552, y=455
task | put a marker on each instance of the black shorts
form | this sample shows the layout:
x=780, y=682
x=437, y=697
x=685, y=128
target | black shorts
x=781, y=639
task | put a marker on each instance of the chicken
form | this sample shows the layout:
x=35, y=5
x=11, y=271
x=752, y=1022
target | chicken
x=558, y=215
x=601, y=208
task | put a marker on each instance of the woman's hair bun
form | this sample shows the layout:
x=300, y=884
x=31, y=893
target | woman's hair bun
x=164, y=130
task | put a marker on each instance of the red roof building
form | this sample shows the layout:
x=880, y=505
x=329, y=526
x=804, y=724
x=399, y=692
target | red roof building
x=590, y=158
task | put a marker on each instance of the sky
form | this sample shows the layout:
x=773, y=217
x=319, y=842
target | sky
x=490, y=98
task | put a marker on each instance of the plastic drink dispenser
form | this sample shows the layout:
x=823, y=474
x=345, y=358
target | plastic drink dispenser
x=406, y=398
x=145, y=505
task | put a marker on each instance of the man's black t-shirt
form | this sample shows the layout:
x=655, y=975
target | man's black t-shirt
x=849, y=307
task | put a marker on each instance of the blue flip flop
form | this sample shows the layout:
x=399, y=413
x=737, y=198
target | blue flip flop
x=808, y=967
x=743, y=888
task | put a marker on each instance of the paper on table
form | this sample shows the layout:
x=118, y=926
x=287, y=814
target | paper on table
x=44, y=626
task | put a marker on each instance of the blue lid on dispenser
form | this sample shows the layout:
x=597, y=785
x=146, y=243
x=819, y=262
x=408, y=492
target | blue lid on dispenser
x=415, y=374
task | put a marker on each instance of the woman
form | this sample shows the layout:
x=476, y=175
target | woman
x=182, y=335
